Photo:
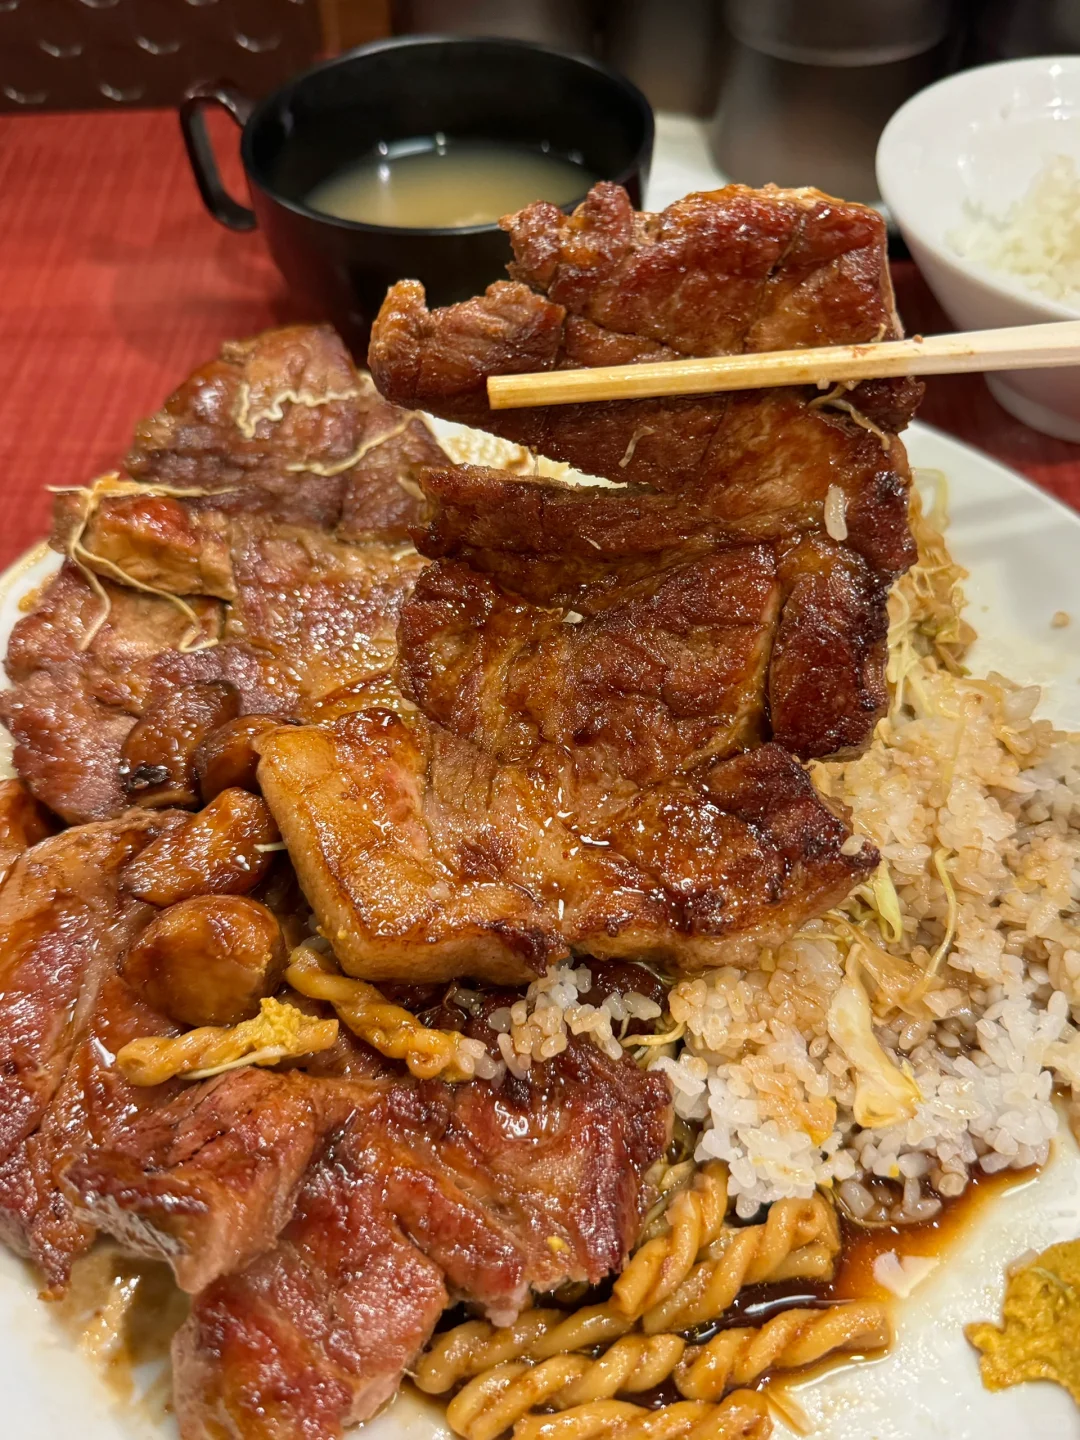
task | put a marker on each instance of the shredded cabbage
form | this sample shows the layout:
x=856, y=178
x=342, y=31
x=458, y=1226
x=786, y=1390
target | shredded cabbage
x=884, y=1094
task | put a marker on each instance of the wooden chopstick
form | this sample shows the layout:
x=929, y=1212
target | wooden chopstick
x=1022, y=347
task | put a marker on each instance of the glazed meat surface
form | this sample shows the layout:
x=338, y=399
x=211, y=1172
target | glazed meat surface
x=717, y=273
x=64, y=925
x=92, y=1103
x=79, y=683
x=323, y=612
x=424, y=857
x=819, y=478
x=23, y=822
x=809, y=673
x=670, y=672
x=757, y=463
x=207, y=1181
x=276, y=480
x=281, y=425
x=827, y=686
x=316, y=1334
x=432, y=1193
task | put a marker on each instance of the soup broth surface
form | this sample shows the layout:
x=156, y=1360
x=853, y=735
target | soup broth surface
x=448, y=183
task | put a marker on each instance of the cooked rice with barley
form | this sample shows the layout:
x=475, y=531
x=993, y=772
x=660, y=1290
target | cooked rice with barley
x=917, y=1034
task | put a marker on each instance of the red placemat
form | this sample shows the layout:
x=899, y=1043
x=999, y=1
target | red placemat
x=115, y=283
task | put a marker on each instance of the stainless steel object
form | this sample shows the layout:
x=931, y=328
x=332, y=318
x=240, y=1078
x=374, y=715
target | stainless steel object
x=565, y=24
x=1008, y=29
x=809, y=87
x=669, y=48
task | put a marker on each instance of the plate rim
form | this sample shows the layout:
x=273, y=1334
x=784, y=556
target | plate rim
x=401, y=1423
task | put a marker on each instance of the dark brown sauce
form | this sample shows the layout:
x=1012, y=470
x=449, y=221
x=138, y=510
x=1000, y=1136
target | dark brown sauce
x=123, y=1312
x=854, y=1279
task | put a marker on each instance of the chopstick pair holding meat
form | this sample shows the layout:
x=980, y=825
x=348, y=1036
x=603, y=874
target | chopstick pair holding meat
x=707, y=606
x=1017, y=347
x=603, y=649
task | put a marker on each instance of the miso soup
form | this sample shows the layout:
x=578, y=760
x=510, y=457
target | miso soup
x=448, y=183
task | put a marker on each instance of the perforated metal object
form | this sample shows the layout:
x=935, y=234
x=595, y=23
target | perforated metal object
x=83, y=54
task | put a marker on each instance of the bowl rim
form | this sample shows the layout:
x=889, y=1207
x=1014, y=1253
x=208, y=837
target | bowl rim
x=990, y=280
x=636, y=97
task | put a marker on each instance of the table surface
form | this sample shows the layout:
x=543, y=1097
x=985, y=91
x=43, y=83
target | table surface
x=115, y=283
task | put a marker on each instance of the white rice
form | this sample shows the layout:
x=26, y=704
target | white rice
x=963, y=791
x=537, y=1027
x=835, y=513
x=1037, y=239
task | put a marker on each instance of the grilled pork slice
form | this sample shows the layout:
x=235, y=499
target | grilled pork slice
x=424, y=857
x=119, y=637
x=179, y=545
x=671, y=672
x=93, y=1102
x=93, y=1108
x=758, y=464
x=64, y=925
x=724, y=272
x=717, y=272
x=312, y=619
x=434, y=1193
x=326, y=612
x=555, y=543
x=207, y=1180
x=282, y=425
x=80, y=680
x=67, y=744
x=820, y=478
x=656, y=584
x=316, y=1334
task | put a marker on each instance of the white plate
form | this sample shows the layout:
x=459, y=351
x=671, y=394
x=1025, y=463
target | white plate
x=1023, y=549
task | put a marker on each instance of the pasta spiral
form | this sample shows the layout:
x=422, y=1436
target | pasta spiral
x=744, y=1415
x=385, y=1027
x=791, y=1339
x=799, y=1239
x=278, y=1032
x=633, y=1364
x=688, y=1275
x=504, y=1395
x=498, y=1398
x=494, y=1401
x=476, y=1346
x=695, y=1219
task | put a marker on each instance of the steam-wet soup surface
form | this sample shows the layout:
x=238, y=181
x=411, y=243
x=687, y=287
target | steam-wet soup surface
x=449, y=183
